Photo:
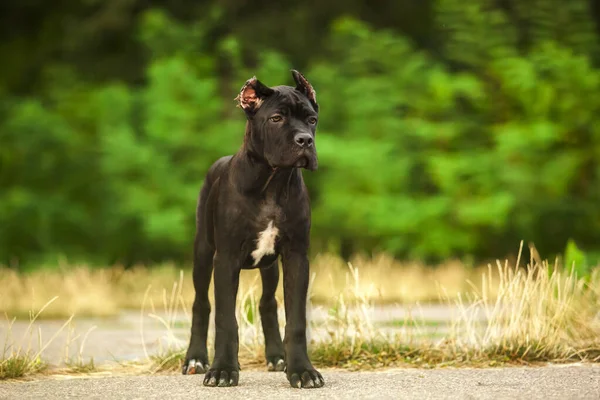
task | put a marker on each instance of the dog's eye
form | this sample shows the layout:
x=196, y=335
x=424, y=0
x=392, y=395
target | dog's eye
x=276, y=118
x=312, y=120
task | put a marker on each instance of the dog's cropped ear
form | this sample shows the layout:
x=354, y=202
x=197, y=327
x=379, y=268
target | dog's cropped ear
x=304, y=86
x=252, y=95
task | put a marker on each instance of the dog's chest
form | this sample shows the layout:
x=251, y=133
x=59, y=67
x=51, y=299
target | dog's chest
x=268, y=228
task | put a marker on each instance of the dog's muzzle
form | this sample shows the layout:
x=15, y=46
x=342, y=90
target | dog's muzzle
x=307, y=157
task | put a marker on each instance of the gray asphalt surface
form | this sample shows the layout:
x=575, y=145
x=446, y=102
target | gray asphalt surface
x=555, y=382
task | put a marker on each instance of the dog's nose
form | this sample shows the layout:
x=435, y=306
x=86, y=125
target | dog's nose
x=304, y=140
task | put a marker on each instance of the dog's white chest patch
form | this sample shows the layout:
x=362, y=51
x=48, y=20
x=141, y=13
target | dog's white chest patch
x=265, y=244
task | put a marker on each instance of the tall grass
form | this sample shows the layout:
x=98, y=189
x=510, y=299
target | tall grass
x=523, y=315
x=539, y=313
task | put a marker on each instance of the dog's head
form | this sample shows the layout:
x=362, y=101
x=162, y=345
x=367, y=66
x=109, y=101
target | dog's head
x=282, y=122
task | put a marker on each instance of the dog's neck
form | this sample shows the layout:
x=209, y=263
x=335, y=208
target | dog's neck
x=255, y=176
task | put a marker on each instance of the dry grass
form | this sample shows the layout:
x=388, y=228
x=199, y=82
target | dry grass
x=171, y=349
x=86, y=291
x=532, y=314
x=504, y=314
x=539, y=313
x=80, y=290
x=78, y=364
x=387, y=280
x=514, y=315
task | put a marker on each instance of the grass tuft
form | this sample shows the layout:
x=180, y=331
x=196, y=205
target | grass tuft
x=18, y=361
x=16, y=366
x=169, y=360
x=79, y=364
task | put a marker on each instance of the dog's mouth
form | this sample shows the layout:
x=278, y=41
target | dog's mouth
x=307, y=160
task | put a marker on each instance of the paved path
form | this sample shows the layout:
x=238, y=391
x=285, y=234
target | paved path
x=556, y=382
x=121, y=337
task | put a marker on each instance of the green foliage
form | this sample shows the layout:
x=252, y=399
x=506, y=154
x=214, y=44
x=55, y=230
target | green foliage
x=462, y=159
x=577, y=260
x=493, y=140
x=476, y=32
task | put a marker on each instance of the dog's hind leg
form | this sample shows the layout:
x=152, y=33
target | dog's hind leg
x=196, y=359
x=268, y=315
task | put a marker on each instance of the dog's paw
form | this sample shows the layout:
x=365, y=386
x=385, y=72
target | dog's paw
x=307, y=379
x=221, y=378
x=275, y=364
x=193, y=366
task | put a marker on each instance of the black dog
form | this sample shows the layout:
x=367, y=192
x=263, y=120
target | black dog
x=253, y=208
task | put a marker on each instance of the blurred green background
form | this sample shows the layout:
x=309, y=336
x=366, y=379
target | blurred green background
x=448, y=128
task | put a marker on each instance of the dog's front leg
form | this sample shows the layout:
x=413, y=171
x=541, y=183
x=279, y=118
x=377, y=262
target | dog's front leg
x=225, y=368
x=299, y=369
